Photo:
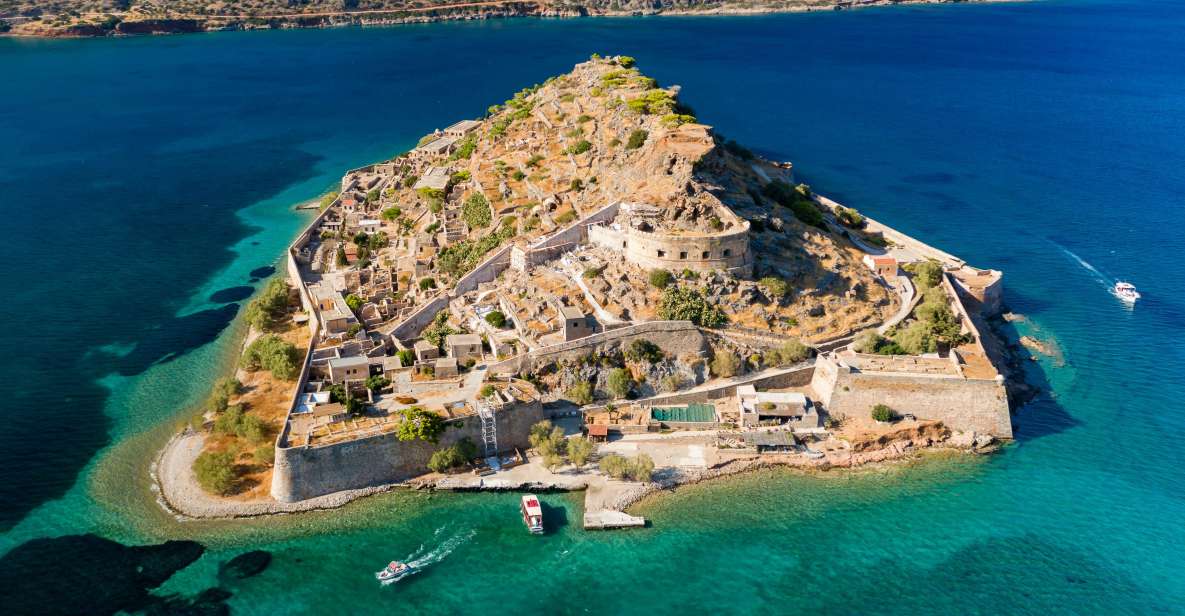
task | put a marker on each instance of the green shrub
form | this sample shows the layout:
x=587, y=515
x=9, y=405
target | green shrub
x=644, y=350
x=580, y=450
x=264, y=454
x=791, y=352
x=671, y=383
x=274, y=354
x=518, y=175
x=220, y=395
x=626, y=61
x=496, y=318
x=797, y=199
x=641, y=468
x=683, y=304
x=453, y=456
x=487, y=391
x=620, y=382
x=660, y=278
x=476, y=211
x=775, y=287
x=580, y=393
x=926, y=274
x=407, y=357
x=615, y=466
x=677, y=119
x=565, y=218
x=392, y=213
x=547, y=439
x=419, y=424
x=376, y=382
x=849, y=217
x=354, y=302
x=592, y=272
x=725, y=365
x=265, y=311
x=439, y=330
x=580, y=147
x=465, y=149
x=882, y=412
x=427, y=283
x=215, y=472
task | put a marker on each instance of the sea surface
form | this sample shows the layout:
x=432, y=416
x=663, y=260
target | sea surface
x=148, y=185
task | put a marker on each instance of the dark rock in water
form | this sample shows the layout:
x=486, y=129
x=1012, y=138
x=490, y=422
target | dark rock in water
x=245, y=565
x=209, y=602
x=87, y=574
x=262, y=272
x=232, y=294
x=252, y=280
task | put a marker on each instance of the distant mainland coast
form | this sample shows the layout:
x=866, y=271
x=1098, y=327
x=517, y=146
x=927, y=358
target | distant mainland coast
x=91, y=18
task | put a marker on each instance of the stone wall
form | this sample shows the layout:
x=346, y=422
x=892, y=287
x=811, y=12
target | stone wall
x=551, y=247
x=963, y=404
x=306, y=472
x=676, y=338
x=791, y=377
x=679, y=252
x=411, y=326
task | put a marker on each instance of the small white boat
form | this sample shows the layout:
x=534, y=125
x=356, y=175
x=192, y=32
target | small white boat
x=394, y=572
x=532, y=514
x=1126, y=291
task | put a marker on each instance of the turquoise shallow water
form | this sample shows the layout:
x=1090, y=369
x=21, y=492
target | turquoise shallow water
x=140, y=177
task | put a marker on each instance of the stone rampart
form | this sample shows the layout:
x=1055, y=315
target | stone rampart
x=673, y=337
x=979, y=405
x=798, y=376
x=727, y=250
x=301, y=473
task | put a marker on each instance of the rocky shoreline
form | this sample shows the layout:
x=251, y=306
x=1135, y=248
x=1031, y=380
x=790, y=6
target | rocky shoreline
x=446, y=12
x=179, y=494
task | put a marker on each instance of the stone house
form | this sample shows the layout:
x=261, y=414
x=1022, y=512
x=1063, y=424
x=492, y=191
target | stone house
x=881, y=265
x=344, y=369
x=425, y=351
x=462, y=128
x=576, y=324
x=446, y=368
x=463, y=347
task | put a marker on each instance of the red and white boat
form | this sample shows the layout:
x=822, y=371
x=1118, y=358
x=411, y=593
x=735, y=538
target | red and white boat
x=532, y=514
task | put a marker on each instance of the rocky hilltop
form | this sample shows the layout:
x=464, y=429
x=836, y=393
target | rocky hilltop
x=82, y=18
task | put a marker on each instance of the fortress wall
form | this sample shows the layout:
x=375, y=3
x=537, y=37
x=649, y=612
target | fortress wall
x=422, y=317
x=978, y=405
x=673, y=337
x=484, y=272
x=306, y=472
x=642, y=248
x=577, y=232
x=986, y=299
x=794, y=377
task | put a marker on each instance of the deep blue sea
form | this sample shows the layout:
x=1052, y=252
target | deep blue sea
x=148, y=184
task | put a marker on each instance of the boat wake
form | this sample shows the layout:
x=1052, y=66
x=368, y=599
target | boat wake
x=1108, y=282
x=1094, y=271
x=420, y=559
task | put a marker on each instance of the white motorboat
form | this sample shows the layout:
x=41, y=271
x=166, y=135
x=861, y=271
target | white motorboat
x=532, y=514
x=394, y=572
x=1126, y=291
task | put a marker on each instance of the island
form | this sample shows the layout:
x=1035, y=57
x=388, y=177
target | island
x=88, y=18
x=589, y=289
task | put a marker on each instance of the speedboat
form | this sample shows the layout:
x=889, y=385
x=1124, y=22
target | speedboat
x=1126, y=291
x=532, y=514
x=394, y=572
